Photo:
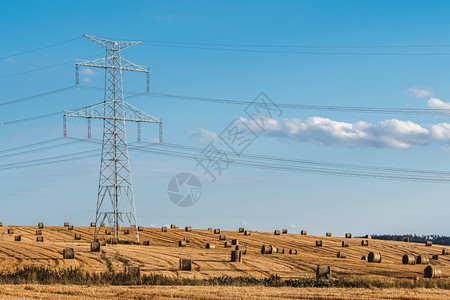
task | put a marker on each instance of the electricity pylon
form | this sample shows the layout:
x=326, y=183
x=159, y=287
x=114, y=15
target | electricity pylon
x=115, y=173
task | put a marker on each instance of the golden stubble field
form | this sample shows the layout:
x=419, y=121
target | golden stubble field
x=163, y=254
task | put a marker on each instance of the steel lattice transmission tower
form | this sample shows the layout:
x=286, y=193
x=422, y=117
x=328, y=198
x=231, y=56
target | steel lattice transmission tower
x=115, y=181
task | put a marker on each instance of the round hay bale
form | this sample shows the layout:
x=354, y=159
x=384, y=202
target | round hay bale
x=187, y=239
x=323, y=272
x=133, y=270
x=146, y=243
x=348, y=235
x=432, y=272
x=1, y=224
x=445, y=252
x=217, y=231
x=422, y=260
x=408, y=259
x=328, y=234
x=241, y=229
x=247, y=232
x=435, y=256
x=140, y=228
x=280, y=250
x=236, y=256
x=363, y=257
x=368, y=236
x=234, y=242
x=319, y=243
x=303, y=232
x=185, y=264
x=241, y=248
x=93, y=224
x=95, y=247
x=70, y=227
x=126, y=231
x=40, y=225
x=341, y=254
x=173, y=226
x=406, y=239
x=108, y=231
x=364, y=243
x=10, y=231
x=113, y=240
x=222, y=237
x=293, y=251
x=40, y=239
x=182, y=243
x=227, y=244
x=66, y=224
x=68, y=253
x=210, y=246
x=374, y=257
x=77, y=236
x=188, y=228
x=345, y=244
x=18, y=238
x=102, y=242
x=39, y=232
x=284, y=231
x=268, y=249
x=276, y=232
x=163, y=229
x=429, y=243
x=210, y=229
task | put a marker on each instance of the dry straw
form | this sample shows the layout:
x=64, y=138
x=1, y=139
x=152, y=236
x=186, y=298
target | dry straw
x=68, y=253
x=323, y=272
x=432, y=272
x=95, y=247
x=408, y=259
x=236, y=256
x=185, y=264
x=422, y=259
x=374, y=257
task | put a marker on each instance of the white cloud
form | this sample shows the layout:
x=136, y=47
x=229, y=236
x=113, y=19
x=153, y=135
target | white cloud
x=203, y=136
x=437, y=103
x=11, y=60
x=323, y=131
x=87, y=71
x=86, y=79
x=420, y=93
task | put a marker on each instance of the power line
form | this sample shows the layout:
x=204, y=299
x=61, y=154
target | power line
x=37, y=95
x=32, y=145
x=44, y=67
x=37, y=149
x=32, y=118
x=298, y=165
x=298, y=52
x=41, y=48
x=376, y=110
x=302, y=46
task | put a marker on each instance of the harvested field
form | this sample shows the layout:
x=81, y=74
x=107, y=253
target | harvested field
x=214, y=292
x=162, y=257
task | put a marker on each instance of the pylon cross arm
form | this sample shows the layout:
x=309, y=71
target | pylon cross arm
x=114, y=45
x=97, y=111
x=104, y=63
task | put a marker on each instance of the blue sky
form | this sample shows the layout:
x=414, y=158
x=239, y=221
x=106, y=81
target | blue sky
x=259, y=199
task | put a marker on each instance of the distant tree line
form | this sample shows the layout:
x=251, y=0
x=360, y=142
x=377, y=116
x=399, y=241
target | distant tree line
x=435, y=238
